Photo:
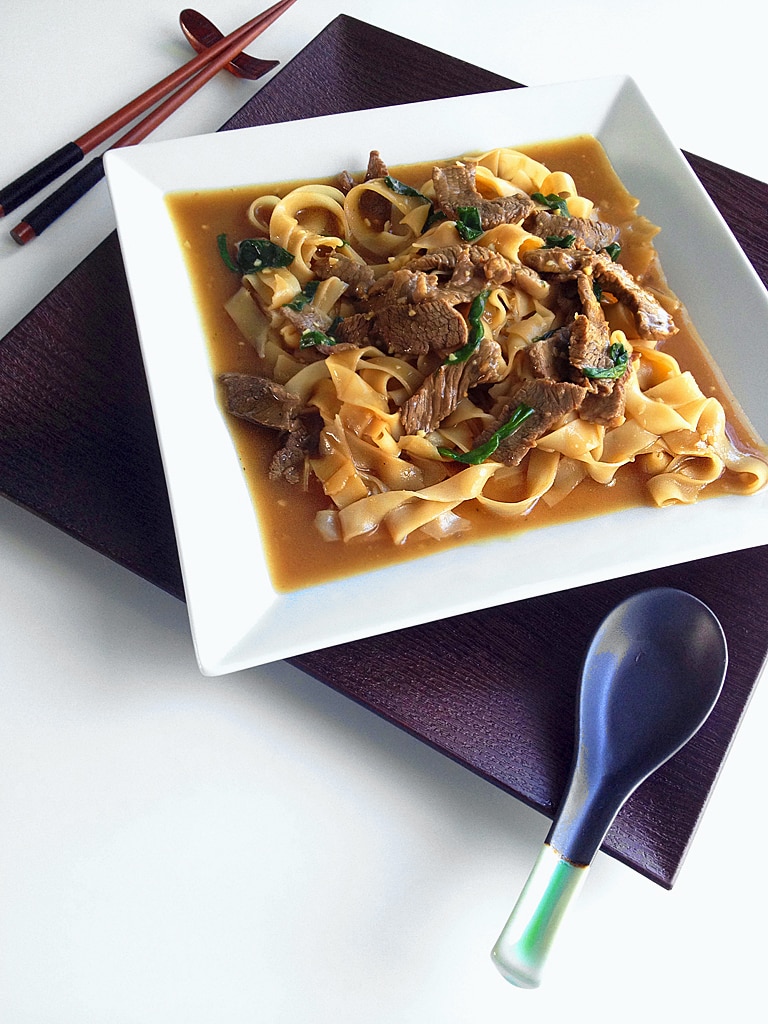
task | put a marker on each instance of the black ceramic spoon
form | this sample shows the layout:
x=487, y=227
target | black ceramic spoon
x=651, y=676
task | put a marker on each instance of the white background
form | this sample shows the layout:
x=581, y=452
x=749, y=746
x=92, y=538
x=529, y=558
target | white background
x=255, y=848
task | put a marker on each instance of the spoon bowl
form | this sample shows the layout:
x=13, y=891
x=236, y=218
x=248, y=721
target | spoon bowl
x=651, y=676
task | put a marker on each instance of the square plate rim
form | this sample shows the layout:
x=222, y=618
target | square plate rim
x=250, y=634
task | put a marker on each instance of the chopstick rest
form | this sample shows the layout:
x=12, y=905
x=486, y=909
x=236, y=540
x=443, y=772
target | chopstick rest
x=202, y=34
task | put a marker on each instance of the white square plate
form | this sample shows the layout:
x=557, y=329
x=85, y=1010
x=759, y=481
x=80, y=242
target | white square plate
x=237, y=618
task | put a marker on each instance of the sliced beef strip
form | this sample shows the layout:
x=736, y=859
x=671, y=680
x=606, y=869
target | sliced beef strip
x=651, y=319
x=440, y=261
x=465, y=261
x=475, y=259
x=463, y=271
x=589, y=337
x=300, y=443
x=345, y=182
x=455, y=186
x=529, y=281
x=402, y=285
x=548, y=357
x=590, y=304
x=355, y=330
x=431, y=326
x=308, y=318
x=487, y=362
x=374, y=207
x=584, y=342
x=558, y=260
x=437, y=397
x=550, y=400
x=563, y=356
x=407, y=328
x=358, y=276
x=260, y=400
x=446, y=386
x=588, y=342
x=594, y=233
x=376, y=166
x=606, y=407
x=376, y=169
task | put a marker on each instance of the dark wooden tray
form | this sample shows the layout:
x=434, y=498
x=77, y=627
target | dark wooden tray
x=495, y=689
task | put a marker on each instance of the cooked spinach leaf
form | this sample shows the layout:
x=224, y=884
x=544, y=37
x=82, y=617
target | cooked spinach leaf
x=309, y=339
x=552, y=202
x=484, y=451
x=253, y=255
x=404, y=190
x=559, y=241
x=468, y=223
x=474, y=318
x=304, y=297
x=620, y=357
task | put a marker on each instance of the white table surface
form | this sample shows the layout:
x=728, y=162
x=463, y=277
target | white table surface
x=256, y=848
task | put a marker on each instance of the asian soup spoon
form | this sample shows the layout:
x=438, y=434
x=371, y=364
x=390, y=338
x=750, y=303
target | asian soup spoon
x=650, y=678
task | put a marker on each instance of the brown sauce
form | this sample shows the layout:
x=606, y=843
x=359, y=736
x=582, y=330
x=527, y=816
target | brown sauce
x=297, y=554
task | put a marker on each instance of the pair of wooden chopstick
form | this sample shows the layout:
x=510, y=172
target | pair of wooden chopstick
x=186, y=80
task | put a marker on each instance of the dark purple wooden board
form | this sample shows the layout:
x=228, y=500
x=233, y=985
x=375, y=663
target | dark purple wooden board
x=494, y=690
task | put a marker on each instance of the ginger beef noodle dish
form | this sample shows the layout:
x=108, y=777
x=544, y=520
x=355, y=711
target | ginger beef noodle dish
x=417, y=356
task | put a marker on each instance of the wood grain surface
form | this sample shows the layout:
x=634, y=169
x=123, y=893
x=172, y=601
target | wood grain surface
x=494, y=690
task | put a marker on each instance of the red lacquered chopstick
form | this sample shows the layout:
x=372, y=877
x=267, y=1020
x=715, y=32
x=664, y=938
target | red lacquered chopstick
x=204, y=66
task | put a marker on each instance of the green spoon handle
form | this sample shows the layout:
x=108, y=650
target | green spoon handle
x=526, y=939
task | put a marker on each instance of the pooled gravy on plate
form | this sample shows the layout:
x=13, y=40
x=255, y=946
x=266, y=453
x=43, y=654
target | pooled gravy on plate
x=299, y=553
